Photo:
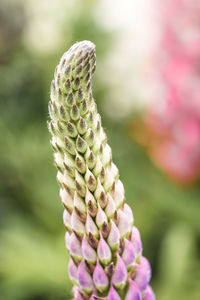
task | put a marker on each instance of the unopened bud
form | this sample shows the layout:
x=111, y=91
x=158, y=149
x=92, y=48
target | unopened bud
x=81, y=144
x=114, y=237
x=67, y=199
x=103, y=252
x=76, y=224
x=91, y=227
x=90, y=159
x=124, y=224
x=83, y=107
x=84, y=279
x=100, y=278
x=80, y=184
x=75, y=247
x=100, y=194
x=143, y=273
x=110, y=207
x=90, y=180
x=79, y=203
x=73, y=270
x=128, y=211
x=70, y=145
x=88, y=252
x=149, y=294
x=128, y=255
x=80, y=164
x=136, y=241
x=71, y=130
x=133, y=292
x=82, y=126
x=113, y=295
x=89, y=136
x=67, y=240
x=75, y=113
x=100, y=217
x=67, y=220
x=120, y=274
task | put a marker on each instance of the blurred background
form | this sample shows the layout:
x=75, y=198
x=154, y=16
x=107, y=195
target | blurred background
x=147, y=86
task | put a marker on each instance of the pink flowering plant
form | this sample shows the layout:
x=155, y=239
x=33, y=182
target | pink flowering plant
x=173, y=121
x=105, y=248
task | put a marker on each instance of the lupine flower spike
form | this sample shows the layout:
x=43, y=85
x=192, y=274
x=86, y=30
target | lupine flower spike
x=104, y=245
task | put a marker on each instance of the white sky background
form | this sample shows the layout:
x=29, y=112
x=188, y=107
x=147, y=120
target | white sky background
x=129, y=59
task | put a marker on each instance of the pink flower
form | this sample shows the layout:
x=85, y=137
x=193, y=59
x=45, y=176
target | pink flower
x=173, y=121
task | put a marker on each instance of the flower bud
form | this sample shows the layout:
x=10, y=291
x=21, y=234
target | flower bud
x=67, y=240
x=110, y=207
x=79, y=203
x=91, y=227
x=89, y=197
x=96, y=146
x=70, y=99
x=146, y=265
x=72, y=269
x=128, y=212
x=118, y=194
x=133, y=292
x=84, y=279
x=70, y=146
x=106, y=155
x=88, y=252
x=90, y=159
x=71, y=130
x=81, y=144
x=69, y=165
x=98, y=167
x=128, y=255
x=103, y=252
x=124, y=224
x=113, y=295
x=75, y=113
x=75, y=247
x=142, y=273
x=100, y=194
x=105, y=230
x=92, y=209
x=80, y=184
x=83, y=107
x=114, y=171
x=108, y=181
x=67, y=219
x=68, y=182
x=66, y=199
x=90, y=119
x=76, y=224
x=100, y=278
x=59, y=161
x=82, y=126
x=90, y=180
x=149, y=294
x=89, y=137
x=114, y=237
x=136, y=241
x=80, y=164
x=120, y=274
x=100, y=217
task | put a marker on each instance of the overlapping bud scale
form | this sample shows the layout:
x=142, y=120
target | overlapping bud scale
x=104, y=245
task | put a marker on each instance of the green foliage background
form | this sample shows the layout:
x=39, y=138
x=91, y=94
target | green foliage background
x=33, y=259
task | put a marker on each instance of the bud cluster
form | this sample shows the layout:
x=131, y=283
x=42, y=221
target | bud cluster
x=104, y=245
